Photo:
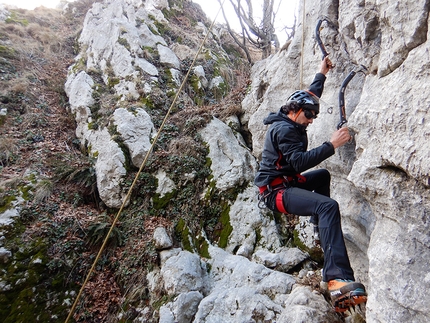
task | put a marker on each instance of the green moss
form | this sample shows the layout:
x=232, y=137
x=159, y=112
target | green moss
x=128, y=164
x=92, y=126
x=112, y=81
x=6, y=202
x=315, y=253
x=298, y=242
x=163, y=300
x=150, y=50
x=226, y=227
x=199, y=92
x=162, y=28
x=32, y=178
x=124, y=42
x=161, y=202
x=202, y=247
x=183, y=232
x=220, y=91
x=146, y=101
x=26, y=192
x=7, y=52
x=80, y=65
x=14, y=19
x=32, y=286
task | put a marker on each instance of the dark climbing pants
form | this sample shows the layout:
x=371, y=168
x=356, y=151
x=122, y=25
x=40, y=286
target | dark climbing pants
x=312, y=198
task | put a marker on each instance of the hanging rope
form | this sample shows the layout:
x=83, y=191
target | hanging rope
x=303, y=43
x=140, y=170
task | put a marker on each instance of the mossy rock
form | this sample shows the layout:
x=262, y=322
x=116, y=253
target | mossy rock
x=7, y=52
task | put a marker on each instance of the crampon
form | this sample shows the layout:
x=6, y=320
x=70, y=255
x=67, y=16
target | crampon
x=344, y=303
x=346, y=294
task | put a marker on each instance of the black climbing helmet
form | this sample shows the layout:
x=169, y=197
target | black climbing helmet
x=306, y=100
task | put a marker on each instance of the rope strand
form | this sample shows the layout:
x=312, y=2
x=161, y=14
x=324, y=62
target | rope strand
x=302, y=44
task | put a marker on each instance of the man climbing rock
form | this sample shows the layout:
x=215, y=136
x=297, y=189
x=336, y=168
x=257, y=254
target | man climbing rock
x=283, y=187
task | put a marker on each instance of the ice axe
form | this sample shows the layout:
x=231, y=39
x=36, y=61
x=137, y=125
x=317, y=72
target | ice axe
x=342, y=111
x=348, y=78
x=318, y=37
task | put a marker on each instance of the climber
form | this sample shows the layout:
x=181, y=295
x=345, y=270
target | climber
x=283, y=187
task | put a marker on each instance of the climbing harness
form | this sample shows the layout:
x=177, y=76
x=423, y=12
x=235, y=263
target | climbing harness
x=127, y=198
x=278, y=185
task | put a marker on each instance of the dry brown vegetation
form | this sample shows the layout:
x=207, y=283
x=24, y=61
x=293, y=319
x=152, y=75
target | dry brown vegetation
x=37, y=136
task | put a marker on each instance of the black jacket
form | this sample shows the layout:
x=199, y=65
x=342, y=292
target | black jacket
x=285, y=148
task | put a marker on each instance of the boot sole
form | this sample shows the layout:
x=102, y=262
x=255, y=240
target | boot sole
x=342, y=304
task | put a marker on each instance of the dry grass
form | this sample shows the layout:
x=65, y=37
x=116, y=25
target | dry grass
x=18, y=85
x=44, y=189
x=183, y=146
x=8, y=150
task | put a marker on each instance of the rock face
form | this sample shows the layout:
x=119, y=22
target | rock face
x=124, y=57
x=381, y=179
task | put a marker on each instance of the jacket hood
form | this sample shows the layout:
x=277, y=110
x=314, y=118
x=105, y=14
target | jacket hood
x=282, y=117
x=275, y=117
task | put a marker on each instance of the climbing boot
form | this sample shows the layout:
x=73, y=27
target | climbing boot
x=346, y=293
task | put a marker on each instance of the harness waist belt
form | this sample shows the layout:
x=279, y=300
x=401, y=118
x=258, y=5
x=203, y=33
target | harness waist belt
x=277, y=181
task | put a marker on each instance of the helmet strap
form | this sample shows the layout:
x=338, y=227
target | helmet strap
x=297, y=114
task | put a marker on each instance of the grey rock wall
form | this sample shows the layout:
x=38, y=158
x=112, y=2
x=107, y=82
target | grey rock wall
x=381, y=180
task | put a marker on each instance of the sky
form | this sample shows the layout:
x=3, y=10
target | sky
x=284, y=15
x=31, y=4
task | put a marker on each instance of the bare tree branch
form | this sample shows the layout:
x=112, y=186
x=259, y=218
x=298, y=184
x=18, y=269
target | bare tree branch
x=233, y=34
x=260, y=35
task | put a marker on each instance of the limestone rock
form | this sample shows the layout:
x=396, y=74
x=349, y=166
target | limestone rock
x=182, y=309
x=283, y=260
x=249, y=221
x=200, y=73
x=5, y=255
x=136, y=128
x=109, y=167
x=4, y=13
x=165, y=184
x=381, y=179
x=161, y=239
x=305, y=305
x=168, y=57
x=79, y=90
x=183, y=273
x=240, y=289
x=232, y=164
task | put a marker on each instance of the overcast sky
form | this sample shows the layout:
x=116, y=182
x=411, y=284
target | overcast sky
x=31, y=4
x=284, y=10
x=284, y=16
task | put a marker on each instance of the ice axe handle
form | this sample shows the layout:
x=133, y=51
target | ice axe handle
x=342, y=99
x=319, y=41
